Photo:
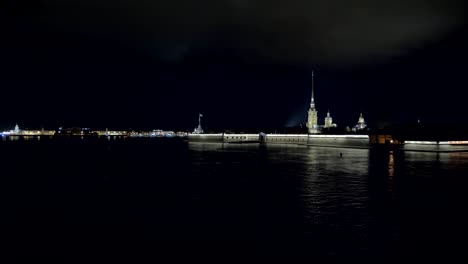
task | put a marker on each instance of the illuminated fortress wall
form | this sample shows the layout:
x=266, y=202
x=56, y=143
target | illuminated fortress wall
x=205, y=138
x=302, y=139
x=355, y=141
x=287, y=138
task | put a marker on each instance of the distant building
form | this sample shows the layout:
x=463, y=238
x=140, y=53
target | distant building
x=108, y=132
x=72, y=131
x=312, y=114
x=161, y=133
x=199, y=129
x=17, y=130
x=361, y=124
x=329, y=121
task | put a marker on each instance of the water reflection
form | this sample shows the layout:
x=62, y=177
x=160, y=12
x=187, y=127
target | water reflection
x=282, y=199
x=16, y=138
x=457, y=160
x=327, y=175
x=335, y=197
x=391, y=164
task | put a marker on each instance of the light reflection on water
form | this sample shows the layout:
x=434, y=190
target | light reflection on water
x=391, y=164
x=367, y=201
x=272, y=199
x=17, y=138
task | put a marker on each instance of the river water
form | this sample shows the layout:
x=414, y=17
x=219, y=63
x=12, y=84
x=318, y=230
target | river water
x=162, y=197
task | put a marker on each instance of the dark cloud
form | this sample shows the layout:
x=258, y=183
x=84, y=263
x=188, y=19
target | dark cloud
x=324, y=31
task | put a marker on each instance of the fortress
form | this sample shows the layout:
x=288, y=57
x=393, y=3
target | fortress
x=355, y=137
x=313, y=137
x=312, y=118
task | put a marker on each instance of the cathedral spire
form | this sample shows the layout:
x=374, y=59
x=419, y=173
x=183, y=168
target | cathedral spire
x=312, y=114
x=312, y=102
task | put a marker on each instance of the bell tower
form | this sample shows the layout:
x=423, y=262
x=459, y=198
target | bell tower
x=312, y=114
x=328, y=120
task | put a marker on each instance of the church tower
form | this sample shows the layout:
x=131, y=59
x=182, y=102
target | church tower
x=312, y=114
x=328, y=121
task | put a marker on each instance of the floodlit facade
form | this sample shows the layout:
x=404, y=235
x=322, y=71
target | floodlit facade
x=361, y=123
x=329, y=121
x=16, y=131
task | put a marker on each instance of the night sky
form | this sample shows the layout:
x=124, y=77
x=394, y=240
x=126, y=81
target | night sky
x=242, y=64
